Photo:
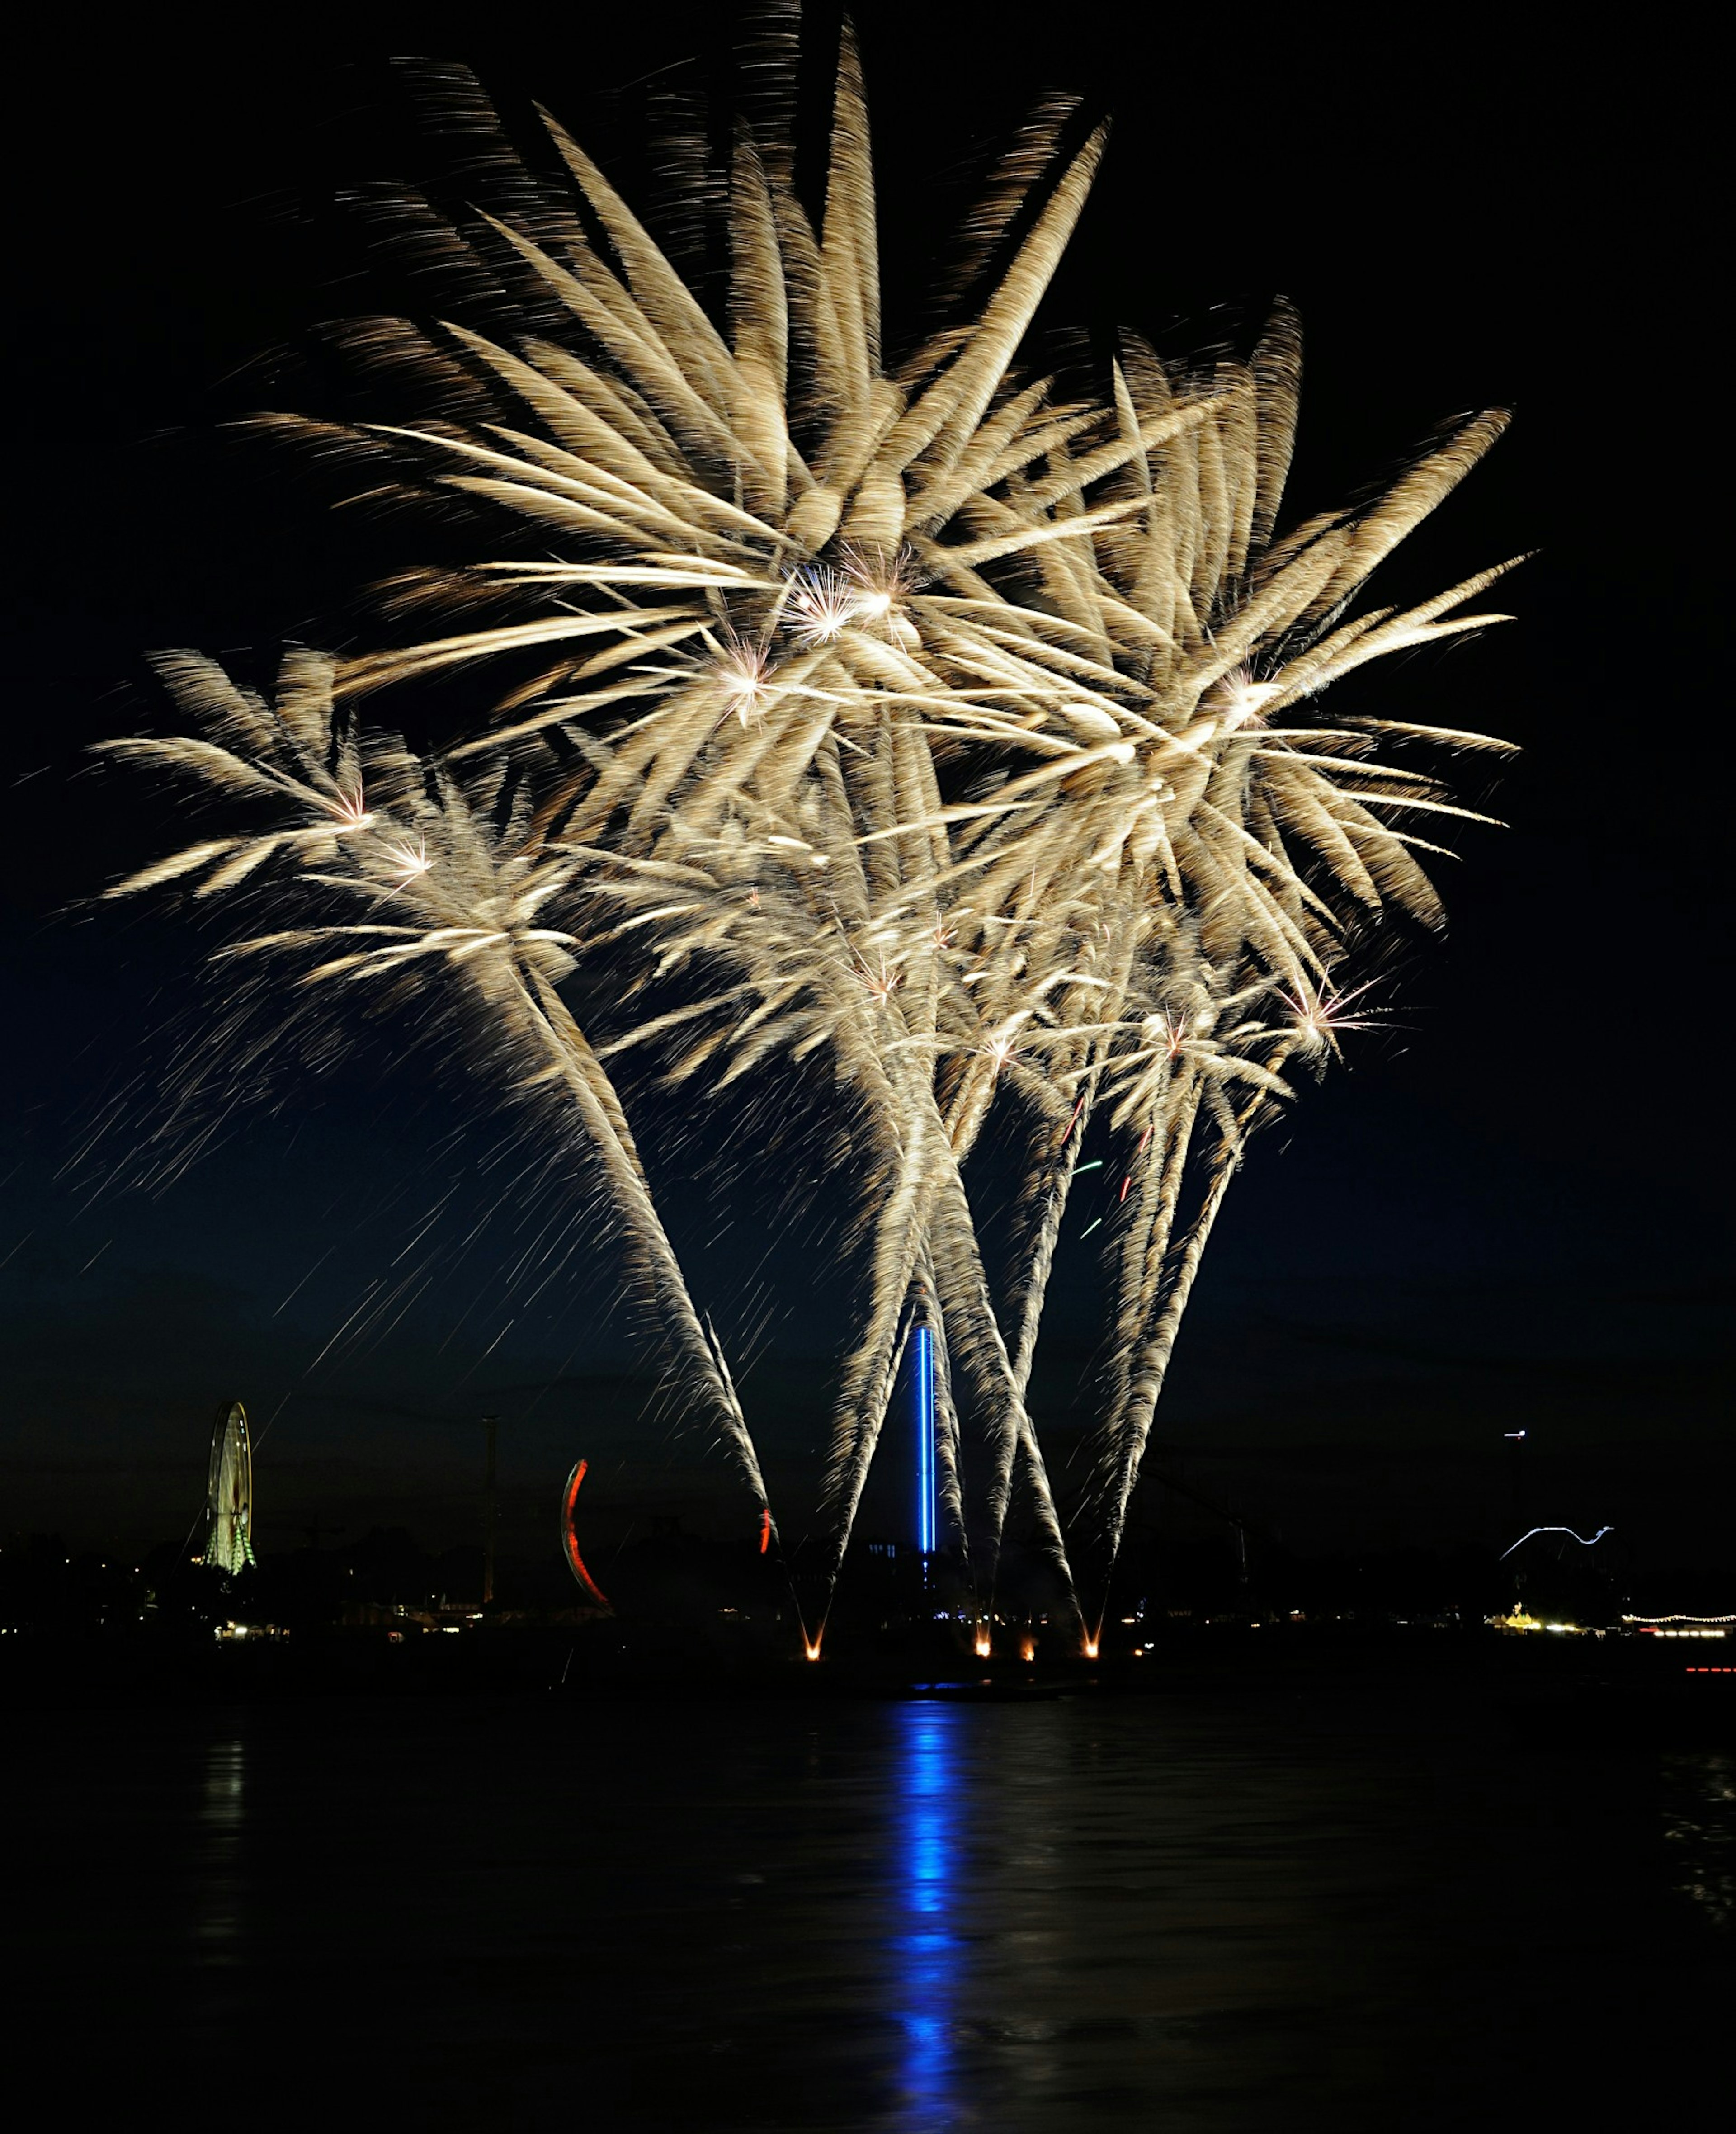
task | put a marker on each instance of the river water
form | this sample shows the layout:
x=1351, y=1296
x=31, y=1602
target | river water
x=1344, y=1907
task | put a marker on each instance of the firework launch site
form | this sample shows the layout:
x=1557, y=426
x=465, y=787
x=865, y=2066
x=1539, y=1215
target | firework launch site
x=1550, y=1625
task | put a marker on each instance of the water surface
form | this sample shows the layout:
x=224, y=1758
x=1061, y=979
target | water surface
x=1354, y=1906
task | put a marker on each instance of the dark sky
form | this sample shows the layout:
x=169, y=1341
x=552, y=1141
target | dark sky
x=1508, y=1213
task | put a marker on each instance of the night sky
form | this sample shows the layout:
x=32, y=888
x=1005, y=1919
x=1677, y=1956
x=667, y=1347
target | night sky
x=1509, y=1212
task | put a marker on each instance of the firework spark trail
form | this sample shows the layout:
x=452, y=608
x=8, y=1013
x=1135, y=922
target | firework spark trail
x=1001, y=1009
x=651, y=405
x=1144, y=1238
x=965, y=1298
x=1222, y=794
x=1056, y=1170
x=1150, y=1364
x=940, y=1227
x=876, y=997
x=1156, y=1274
x=1049, y=1182
x=970, y=1308
x=697, y=1344
x=472, y=903
x=1127, y=1428
x=869, y=1368
x=1177, y=1066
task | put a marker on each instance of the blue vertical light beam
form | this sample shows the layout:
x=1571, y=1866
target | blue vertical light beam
x=925, y=1514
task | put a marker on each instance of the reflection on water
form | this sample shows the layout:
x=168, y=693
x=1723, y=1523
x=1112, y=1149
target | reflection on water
x=1699, y=1824
x=1201, y=1915
x=927, y=1950
x=219, y=1884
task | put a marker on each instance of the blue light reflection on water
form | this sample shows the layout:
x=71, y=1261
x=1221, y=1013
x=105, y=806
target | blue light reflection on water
x=926, y=1951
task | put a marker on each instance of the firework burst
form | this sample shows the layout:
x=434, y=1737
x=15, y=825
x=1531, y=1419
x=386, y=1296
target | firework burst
x=950, y=732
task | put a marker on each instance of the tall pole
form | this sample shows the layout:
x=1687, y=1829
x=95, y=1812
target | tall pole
x=926, y=1521
x=490, y=1508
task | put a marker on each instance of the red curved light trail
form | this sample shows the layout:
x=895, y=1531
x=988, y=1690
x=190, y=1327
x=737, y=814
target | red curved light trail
x=570, y=1539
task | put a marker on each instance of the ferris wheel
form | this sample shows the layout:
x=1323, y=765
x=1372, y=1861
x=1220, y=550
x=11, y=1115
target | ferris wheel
x=230, y=1501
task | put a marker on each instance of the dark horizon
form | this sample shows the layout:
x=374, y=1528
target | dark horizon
x=1508, y=1213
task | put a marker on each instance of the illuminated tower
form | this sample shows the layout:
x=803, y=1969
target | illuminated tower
x=926, y=1521
x=229, y=1499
